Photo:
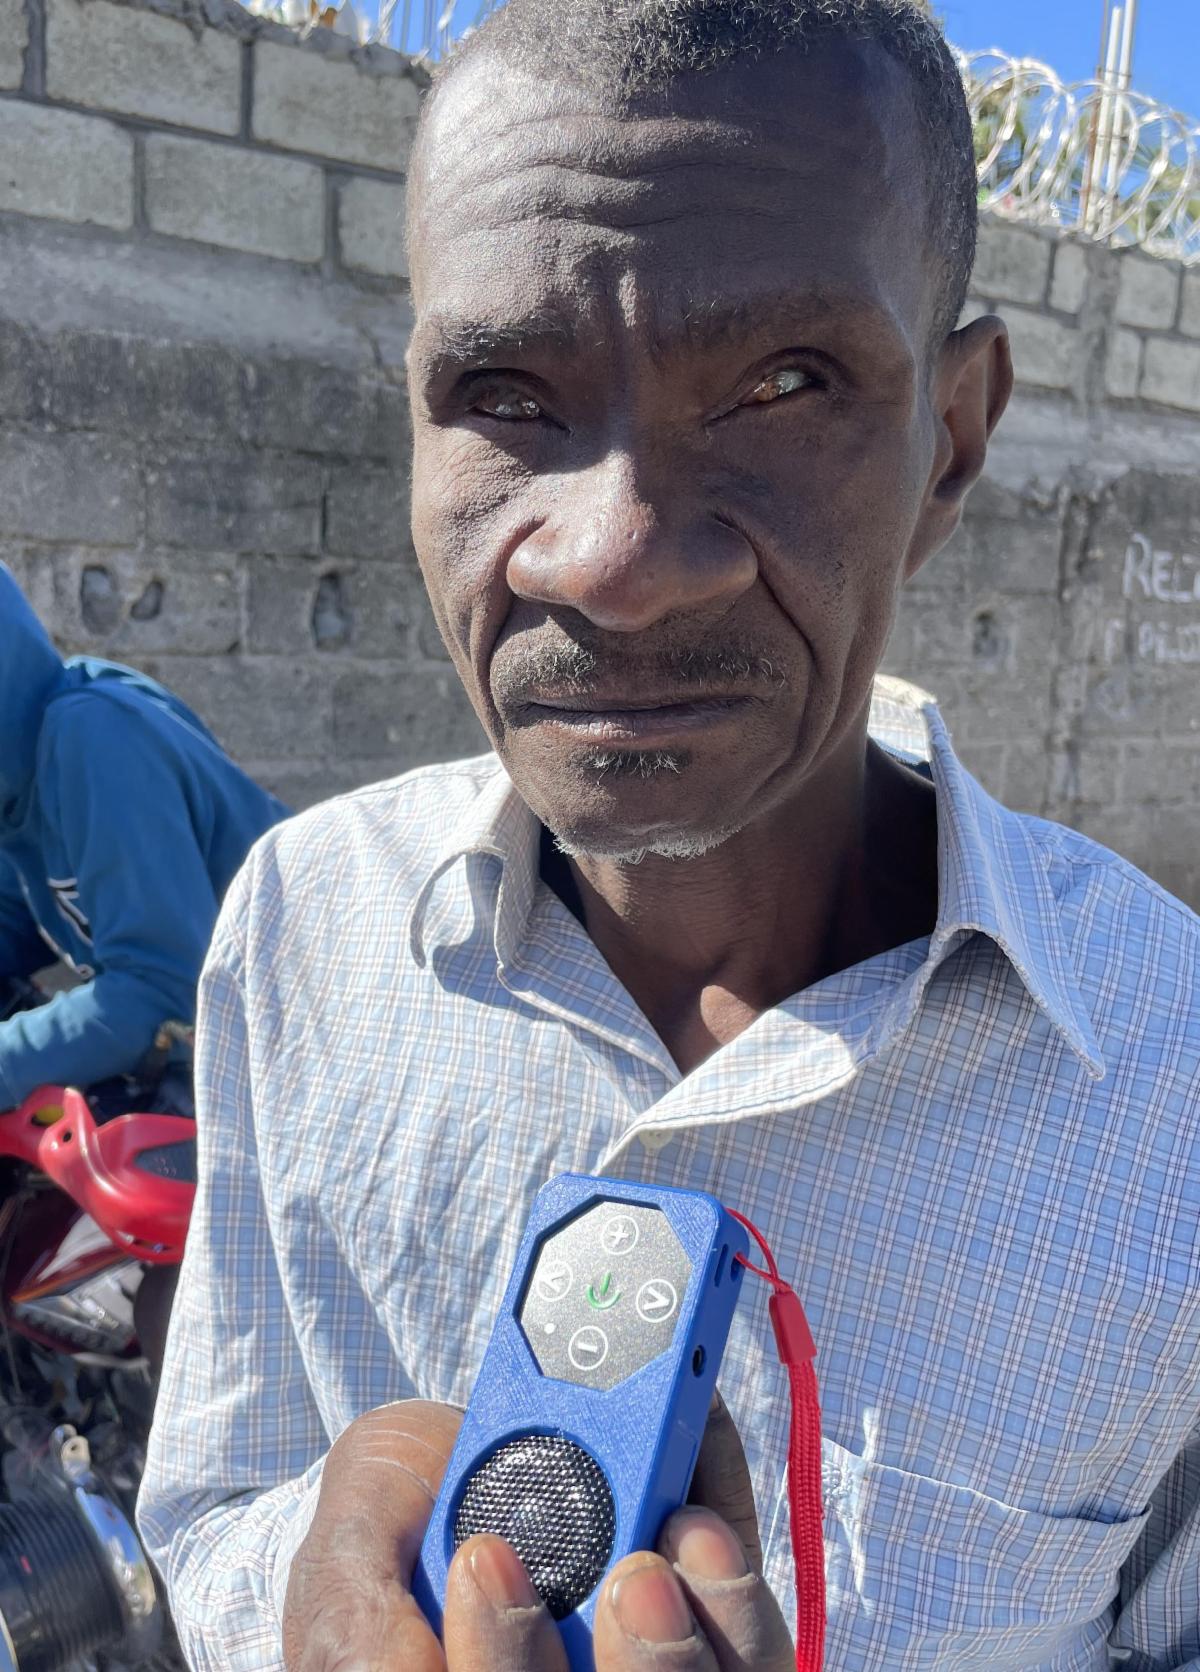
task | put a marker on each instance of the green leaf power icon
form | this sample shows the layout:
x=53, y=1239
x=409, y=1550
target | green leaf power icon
x=605, y=1296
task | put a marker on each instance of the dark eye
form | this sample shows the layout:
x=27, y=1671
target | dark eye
x=786, y=382
x=508, y=405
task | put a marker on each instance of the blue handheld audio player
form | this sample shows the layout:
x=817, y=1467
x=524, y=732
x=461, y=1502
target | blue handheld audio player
x=587, y=1415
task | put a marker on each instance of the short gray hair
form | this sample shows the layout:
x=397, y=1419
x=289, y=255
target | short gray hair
x=622, y=49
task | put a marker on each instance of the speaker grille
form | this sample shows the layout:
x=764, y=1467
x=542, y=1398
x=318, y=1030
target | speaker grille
x=549, y=1498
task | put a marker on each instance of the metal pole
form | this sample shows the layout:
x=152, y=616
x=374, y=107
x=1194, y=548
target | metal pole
x=1089, y=172
x=1122, y=82
x=1108, y=88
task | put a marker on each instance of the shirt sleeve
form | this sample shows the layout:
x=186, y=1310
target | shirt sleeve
x=22, y=949
x=1158, y=1626
x=120, y=805
x=237, y=1446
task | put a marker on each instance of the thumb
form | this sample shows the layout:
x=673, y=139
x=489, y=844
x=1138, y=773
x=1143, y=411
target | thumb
x=722, y=1480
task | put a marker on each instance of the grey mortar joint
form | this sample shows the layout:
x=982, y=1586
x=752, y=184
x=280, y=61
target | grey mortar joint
x=33, y=81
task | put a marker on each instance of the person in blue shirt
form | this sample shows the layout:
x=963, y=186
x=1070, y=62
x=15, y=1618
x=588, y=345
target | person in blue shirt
x=122, y=822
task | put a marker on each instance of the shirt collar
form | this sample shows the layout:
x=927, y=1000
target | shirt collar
x=497, y=825
x=993, y=879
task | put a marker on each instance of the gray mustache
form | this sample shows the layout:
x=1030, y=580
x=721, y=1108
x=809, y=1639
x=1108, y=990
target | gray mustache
x=576, y=668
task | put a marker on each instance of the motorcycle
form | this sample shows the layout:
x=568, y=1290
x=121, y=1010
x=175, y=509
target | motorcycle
x=95, y=1198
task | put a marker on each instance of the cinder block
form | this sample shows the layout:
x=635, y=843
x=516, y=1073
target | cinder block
x=24, y=374
x=1012, y=264
x=367, y=610
x=247, y=502
x=303, y=785
x=1189, y=318
x=1148, y=293
x=1046, y=353
x=1162, y=770
x=989, y=638
x=1004, y=553
x=1175, y=851
x=32, y=569
x=259, y=707
x=281, y=596
x=1172, y=374
x=1100, y=772
x=68, y=487
x=1069, y=284
x=128, y=386
x=1026, y=768
x=14, y=38
x=403, y=718
x=241, y=200
x=305, y=101
x=309, y=408
x=366, y=512
x=136, y=61
x=65, y=167
x=161, y=602
x=371, y=227
x=1123, y=368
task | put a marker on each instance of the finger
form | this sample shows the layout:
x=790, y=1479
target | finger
x=349, y=1625
x=731, y=1601
x=384, y=1481
x=348, y=1606
x=495, y=1621
x=722, y=1480
x=644, y=1622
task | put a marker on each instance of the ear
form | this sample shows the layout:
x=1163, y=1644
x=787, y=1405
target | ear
x=972, y=383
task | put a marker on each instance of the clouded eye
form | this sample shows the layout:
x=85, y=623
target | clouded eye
x=508, y=405
x=786, y=382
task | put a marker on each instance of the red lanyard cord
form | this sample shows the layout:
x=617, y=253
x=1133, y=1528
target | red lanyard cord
x=797, y=1351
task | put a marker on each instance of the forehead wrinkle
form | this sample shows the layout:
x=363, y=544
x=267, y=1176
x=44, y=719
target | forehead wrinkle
x=554, y=164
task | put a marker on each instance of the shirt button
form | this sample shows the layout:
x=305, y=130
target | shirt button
x=654, y=1139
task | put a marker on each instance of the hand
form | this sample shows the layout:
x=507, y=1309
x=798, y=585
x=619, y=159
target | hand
x=699, y=1605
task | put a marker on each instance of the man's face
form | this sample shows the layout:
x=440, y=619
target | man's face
x=673, y=430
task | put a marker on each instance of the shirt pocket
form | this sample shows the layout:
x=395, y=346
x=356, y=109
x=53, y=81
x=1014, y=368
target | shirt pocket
x=922, y=1574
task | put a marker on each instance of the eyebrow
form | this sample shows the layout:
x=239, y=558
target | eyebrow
x=459, y=344
x=716, y=321
x=452, y=344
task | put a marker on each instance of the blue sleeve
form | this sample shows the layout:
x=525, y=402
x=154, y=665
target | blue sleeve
x=119, y=797
x=22, y=949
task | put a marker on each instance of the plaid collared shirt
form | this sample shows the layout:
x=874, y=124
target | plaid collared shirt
x=977, y=1158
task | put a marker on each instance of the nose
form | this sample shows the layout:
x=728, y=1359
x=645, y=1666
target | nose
x=625, y=557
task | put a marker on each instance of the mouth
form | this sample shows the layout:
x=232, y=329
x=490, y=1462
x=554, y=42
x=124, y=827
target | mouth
x=639, y=721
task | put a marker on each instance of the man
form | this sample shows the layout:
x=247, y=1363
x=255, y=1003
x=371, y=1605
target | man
x=121, y=824
x=689, y=409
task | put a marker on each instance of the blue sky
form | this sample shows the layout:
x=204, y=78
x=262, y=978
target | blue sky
x=1066, y=34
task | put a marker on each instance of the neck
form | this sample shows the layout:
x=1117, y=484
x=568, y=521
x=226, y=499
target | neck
x=842, y=871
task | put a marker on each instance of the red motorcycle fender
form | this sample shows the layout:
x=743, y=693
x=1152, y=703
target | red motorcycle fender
x=99, y=1167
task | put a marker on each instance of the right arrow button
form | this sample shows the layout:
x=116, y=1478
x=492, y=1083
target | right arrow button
x=657, y=1300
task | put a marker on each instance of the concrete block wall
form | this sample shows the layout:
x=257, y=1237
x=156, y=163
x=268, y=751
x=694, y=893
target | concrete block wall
x=203, y=415
x=1060, y=628
x=204, y=435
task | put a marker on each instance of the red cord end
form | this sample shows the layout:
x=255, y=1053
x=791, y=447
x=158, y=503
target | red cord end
x=792, y=1334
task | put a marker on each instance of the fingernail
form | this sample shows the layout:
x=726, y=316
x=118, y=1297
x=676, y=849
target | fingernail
x=704, y=1547
x=496, y=1569
x=649, y=1604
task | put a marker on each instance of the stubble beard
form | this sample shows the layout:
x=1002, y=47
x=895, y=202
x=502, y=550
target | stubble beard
x=601, y=765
